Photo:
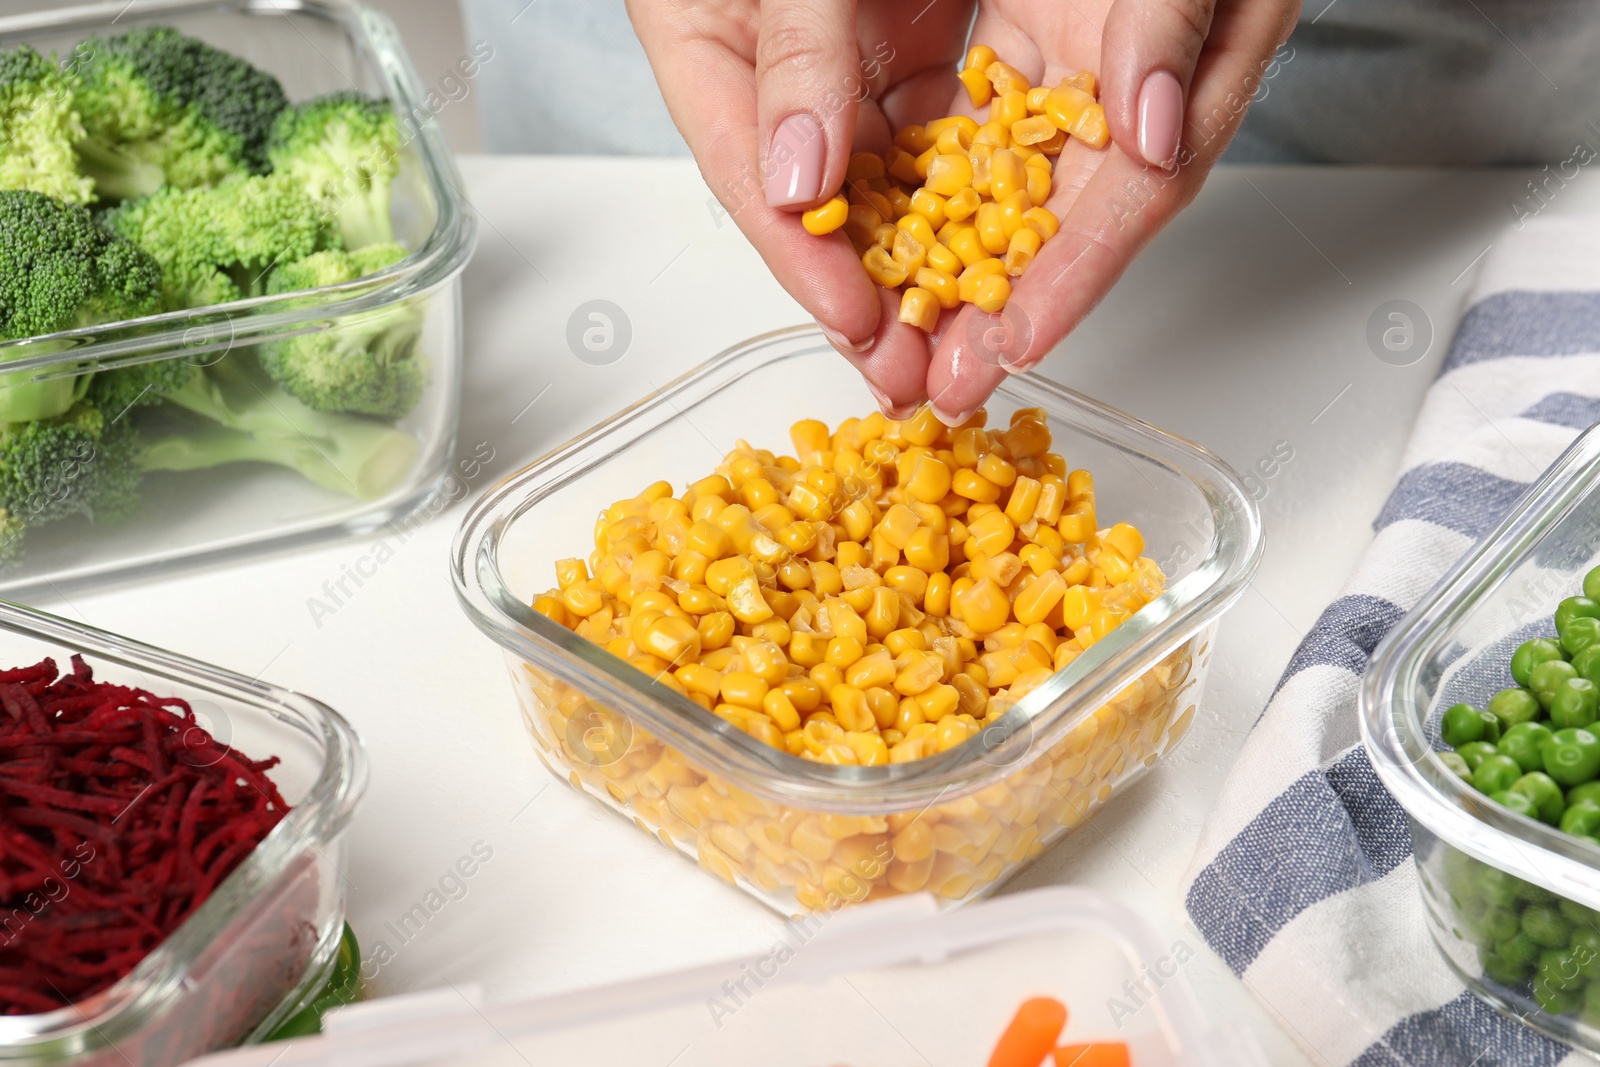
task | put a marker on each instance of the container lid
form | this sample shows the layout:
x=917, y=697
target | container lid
x=881, y=985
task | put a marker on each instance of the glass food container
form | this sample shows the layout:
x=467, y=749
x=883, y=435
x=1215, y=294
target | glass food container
x=1482, y=867
x=804, y=836
x=883, y=979
x=263, y=946
x=313, y=47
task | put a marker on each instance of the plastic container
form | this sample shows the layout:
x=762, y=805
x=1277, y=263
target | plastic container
x=1480, y=865
x=313, y=47
x=895, y=983
x=263, y=946
x=753, y=815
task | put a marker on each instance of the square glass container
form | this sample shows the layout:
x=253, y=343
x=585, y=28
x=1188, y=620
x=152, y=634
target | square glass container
x=884, y=979
x=1484, y=869
x=262, y=945
x=804, y=836
x=313, y=47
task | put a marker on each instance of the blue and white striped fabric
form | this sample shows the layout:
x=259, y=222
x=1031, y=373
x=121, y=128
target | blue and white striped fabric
x=1303, y=880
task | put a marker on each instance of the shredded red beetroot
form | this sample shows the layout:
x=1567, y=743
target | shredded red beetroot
x=119, y=815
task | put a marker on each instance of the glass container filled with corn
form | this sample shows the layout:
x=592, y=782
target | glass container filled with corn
x=884, y=595
x=956, y=209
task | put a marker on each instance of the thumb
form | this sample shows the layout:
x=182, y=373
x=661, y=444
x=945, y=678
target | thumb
x=1148, y=57
x=808, y=89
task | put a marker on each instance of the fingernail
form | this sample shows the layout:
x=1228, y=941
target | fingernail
x=886, y=405
x=795, y=161
x=1160, y=118
x=952, y=420
x=839, y=340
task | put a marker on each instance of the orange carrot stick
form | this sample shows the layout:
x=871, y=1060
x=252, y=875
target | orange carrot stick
x=1031, y=1035
x=1103, y=1054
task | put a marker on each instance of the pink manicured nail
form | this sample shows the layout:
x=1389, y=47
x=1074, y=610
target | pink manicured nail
x=952, y=420
x=839, y=340
x=795, y=161
x=1160, y=119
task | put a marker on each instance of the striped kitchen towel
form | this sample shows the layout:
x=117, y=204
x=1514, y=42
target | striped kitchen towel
x=1303, y=881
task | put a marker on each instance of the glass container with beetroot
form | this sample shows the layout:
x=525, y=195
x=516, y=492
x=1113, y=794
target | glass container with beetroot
x=171, y=839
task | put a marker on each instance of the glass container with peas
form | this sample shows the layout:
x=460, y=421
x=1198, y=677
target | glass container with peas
x=1481, y=715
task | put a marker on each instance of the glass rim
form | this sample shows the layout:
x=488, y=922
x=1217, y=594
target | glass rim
x=200, y=330
x=155, y=984
x=1393, y=726
x=1029, y=729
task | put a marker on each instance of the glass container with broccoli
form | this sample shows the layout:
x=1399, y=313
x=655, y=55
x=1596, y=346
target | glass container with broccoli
x=152, y=174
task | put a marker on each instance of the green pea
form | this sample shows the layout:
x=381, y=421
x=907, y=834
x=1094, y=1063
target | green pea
x=1546, y=925
x=1571, y=757
x=1496, y=774
x=1587, y=664
x=1534, y=894
x=1521, y=803
x=1519, y=949
x=1506, y=972
x=1589, y=791
x=1497, y=887
x=1578, y=915
x=1456, y=765
x=1530, y=654
x=1547, y=677
x=1511, y=706
x=1491, y=727
x=1501, y=924
x=1591, y=584
x=1585, y=949
x=1462, y=724
x=1475, y=752
x=1581, y=633
x=1545, y=794
x=1575, y=607
x=1576, y=703
x=1524, y=742
x=1557, y=1001
x=1591, y=1004
x=1581, y=818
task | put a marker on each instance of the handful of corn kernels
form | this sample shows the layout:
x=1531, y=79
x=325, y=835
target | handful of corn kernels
x=955, y=210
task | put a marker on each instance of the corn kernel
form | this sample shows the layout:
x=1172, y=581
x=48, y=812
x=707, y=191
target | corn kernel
x=1020, y=251
x=1090, y=127
x=884, y=268
x=979, y=87
x=920, y=307
x=948, y=174
x=962, y=205
x=826, y=218
x=993, y=293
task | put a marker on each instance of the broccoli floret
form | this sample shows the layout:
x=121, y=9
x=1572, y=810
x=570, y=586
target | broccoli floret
x=60, y=270
x=366, y=363
x=141, y=385
x=216, y=244
x=252, y=420
x=38, y=127
x=160, y=108
x=78, y=463
x=344, y=149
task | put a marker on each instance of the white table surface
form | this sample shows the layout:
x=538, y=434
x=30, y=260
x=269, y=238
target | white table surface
x=1243, y=326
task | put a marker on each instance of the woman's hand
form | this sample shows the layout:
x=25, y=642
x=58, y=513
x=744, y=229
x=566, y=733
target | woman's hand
x=773, y=97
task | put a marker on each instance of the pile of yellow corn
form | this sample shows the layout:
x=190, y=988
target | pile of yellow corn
x=876, y=597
